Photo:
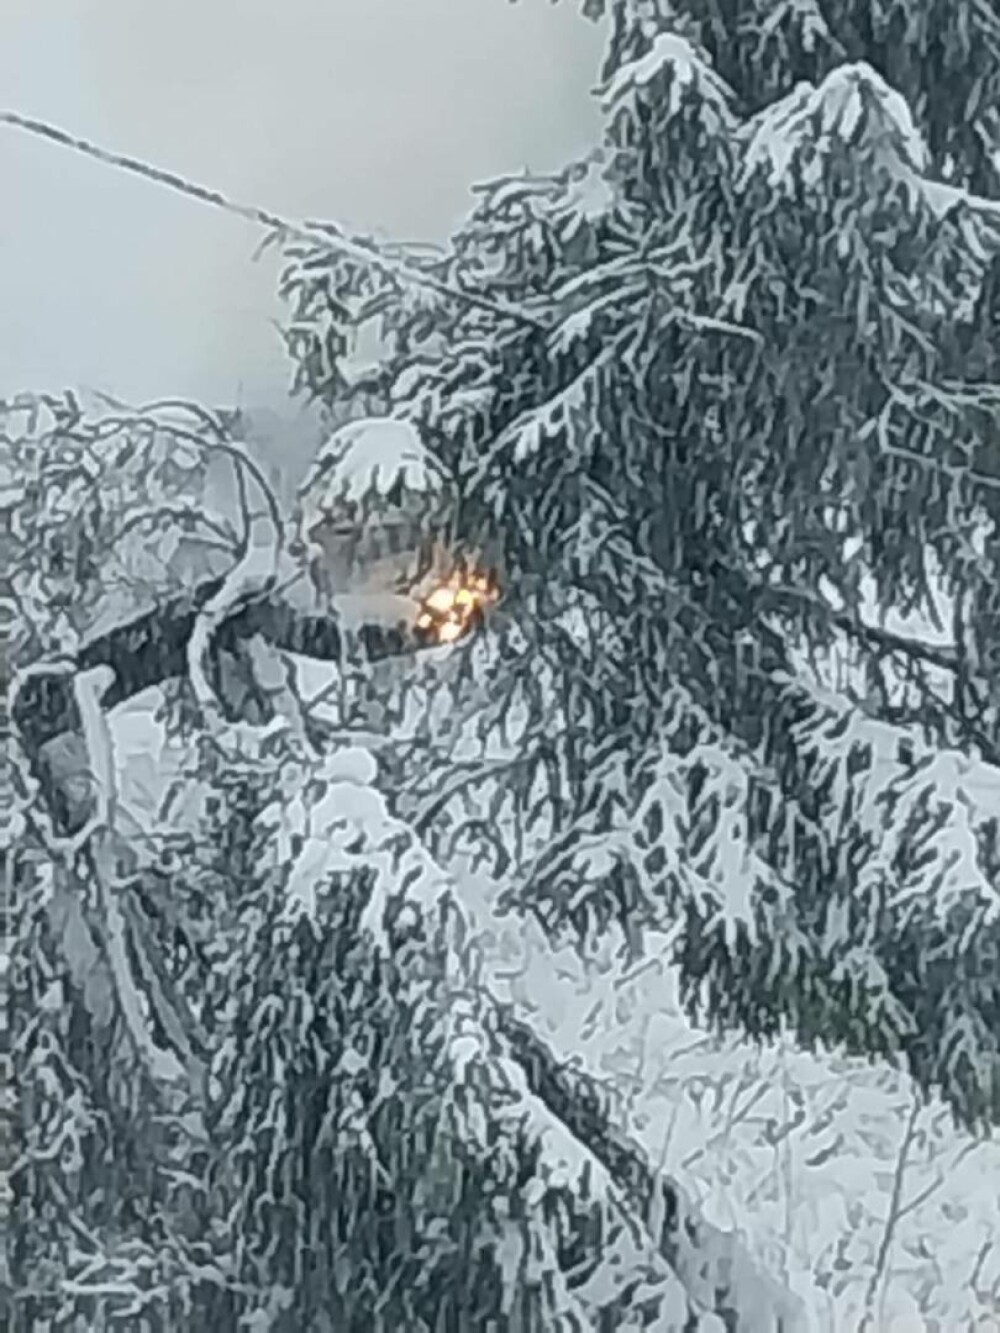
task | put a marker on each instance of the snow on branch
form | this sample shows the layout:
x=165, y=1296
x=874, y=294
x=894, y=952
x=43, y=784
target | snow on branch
x=254, y=575
x=920, y=806
x=713, y=1266
x=555, y=417
x=96, y=839
x=153, y=647
x=372, y=455
x=846, y=99
x=671, y=56
x=337, y=831
x=852, y=105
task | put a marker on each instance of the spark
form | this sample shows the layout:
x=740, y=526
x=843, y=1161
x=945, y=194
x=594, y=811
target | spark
x=453, y=609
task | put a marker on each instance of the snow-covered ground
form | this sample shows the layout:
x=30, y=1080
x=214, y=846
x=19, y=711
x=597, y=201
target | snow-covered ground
x=795, y=1152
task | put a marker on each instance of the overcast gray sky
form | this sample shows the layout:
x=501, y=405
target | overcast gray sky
x=375, y=113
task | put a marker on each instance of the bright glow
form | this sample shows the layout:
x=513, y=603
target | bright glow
x=452, y=609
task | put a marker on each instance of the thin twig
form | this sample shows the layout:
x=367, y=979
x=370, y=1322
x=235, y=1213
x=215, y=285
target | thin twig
x=892, y=1216
x=235, y=450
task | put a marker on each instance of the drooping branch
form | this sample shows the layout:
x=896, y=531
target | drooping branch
x=622, y=1232
x=153, y=648
x=580, y=1161
x=712, y=1265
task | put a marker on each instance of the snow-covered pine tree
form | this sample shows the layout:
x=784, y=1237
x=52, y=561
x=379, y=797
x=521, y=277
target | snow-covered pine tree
x=941, y=58
x=740, y=352
x=259, y=1082
x=735, y=406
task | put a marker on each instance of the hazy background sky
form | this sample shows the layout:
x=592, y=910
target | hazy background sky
x=375, y=113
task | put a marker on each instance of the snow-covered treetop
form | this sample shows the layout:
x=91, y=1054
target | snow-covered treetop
x=853, y=105
x=381, y=457
x=941, y=56
x=673, y=59
x=855, y=110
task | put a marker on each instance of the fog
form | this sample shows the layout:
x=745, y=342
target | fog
x=378, y=114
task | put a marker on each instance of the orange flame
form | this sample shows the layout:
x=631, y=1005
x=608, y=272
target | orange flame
x=454, y=608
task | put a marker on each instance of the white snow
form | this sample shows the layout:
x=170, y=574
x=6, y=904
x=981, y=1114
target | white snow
x=590, y=194
x=253, y=572
x=558, y=415
x=669, y=51
x=854, y=98
x=351, y=764
x=375, y=606
x=371, y=455
x=156, y=774
x=810, y=116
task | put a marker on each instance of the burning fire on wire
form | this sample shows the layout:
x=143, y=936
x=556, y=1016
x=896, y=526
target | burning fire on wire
x=456, y=608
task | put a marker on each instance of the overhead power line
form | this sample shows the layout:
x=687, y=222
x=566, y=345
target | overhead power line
x=325, y=235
